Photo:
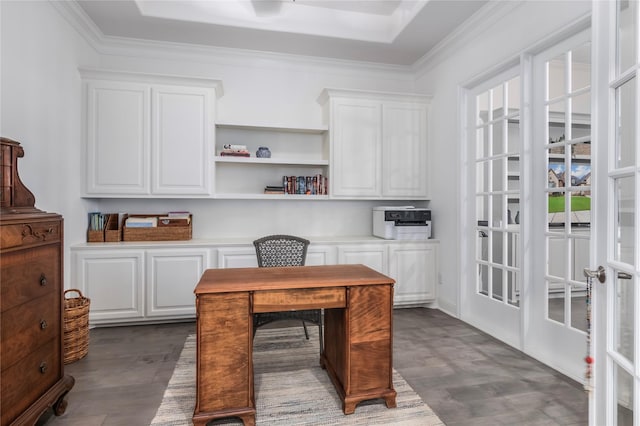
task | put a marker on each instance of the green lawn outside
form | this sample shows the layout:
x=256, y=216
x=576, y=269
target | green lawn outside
x=578, y=203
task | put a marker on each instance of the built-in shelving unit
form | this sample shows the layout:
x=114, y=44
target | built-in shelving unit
x=295, y=151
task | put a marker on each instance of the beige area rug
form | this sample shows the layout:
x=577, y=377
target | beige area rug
x=291, y=388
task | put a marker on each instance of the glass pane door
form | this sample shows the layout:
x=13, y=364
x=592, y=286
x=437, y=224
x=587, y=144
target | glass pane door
x=561, y=204
x=623, y=183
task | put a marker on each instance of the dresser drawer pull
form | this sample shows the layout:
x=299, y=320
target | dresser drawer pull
x=43, y=324
x=43, y=367
x=43, y=280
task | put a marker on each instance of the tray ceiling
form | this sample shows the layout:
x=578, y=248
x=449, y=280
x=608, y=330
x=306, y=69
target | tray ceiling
x=395, y=32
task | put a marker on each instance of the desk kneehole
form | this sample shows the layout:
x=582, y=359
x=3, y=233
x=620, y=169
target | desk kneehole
x=299, y=299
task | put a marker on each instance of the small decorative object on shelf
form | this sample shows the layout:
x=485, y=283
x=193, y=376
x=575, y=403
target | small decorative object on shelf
x=235, y=151
x=263, y=152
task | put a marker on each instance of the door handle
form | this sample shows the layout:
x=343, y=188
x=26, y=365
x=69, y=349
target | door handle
x=596, y=273
x=624, y=276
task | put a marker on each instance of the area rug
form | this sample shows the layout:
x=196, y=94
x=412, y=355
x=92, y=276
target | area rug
x=290, y=388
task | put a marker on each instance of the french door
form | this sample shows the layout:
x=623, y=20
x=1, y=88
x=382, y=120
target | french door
x=492, y=295
x=561, y=205
x=615, y=399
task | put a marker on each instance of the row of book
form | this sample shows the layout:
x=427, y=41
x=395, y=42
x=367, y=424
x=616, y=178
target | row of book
x=97, y=221
x=301, y=185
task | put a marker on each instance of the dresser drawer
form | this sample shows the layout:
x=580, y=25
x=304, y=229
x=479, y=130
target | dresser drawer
x=28, y=326
x=26, y=234
x=29, y=274
x=27, y=380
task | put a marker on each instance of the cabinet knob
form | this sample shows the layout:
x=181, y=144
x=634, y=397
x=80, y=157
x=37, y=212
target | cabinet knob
x=50, y=230
x=43, y=280
x=43, y=367
x=43, y=324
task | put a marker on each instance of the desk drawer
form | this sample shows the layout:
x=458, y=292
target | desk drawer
x=299, y=299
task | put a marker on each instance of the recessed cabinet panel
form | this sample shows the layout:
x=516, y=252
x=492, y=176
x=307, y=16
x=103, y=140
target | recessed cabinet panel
x=319, y=254
x=404, y=156
x=172, y=277
x=183, y=140
x=355, y=148
x=112, y=281
x=414, y=267
x=237, y=257
x=118, y=138
x=372, y=255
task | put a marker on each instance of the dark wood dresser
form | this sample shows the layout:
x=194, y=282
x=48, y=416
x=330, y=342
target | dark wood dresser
x=31, y=302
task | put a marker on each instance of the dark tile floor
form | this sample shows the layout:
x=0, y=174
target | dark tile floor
x=467, y=377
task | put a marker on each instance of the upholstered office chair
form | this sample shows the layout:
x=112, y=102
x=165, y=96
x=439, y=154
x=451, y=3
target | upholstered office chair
x=285, y=250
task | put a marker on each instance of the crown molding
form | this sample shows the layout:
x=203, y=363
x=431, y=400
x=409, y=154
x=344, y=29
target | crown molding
x=78, y=19
x=128, y=47
x=470, y=29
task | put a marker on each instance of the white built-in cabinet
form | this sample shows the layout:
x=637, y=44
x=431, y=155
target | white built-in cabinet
x=378, y=144
x=414, y=266
x=153, y=282
x=171, y=277
x=148, y=135
x=111, y=278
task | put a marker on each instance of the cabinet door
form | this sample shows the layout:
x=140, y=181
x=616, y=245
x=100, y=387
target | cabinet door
x=237, y=257
x=355, y=148
x=172, y=276
x=183, y=146
x=319, y=254
x=114, y=282
x=404, y=159
x=118, y=139
x=372, y=255
x=414, y=267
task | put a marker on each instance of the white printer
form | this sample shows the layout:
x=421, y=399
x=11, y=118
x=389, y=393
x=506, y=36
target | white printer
x=402, y=223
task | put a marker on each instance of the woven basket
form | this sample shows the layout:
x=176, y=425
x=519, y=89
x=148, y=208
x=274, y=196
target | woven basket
x=76, y=326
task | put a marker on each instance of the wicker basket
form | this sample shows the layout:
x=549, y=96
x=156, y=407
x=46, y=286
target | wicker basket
x=76, y=326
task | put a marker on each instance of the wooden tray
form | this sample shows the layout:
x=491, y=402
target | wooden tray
x=159, y=233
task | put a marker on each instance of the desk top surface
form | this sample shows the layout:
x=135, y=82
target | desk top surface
x=296, y=277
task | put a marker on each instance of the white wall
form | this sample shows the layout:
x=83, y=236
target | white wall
x=40, y=105
x=41, y=108
x=501, y=40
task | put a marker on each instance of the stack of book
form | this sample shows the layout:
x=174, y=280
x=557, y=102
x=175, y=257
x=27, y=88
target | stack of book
x=273, y=189
x=141, y=222
x=235, y=151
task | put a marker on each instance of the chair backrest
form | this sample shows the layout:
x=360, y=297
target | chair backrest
x=281, y=250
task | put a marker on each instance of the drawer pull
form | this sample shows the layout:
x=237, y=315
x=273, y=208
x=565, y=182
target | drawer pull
x=43, y=324
x=43, y=280
x=43, y=367
x=50, y=230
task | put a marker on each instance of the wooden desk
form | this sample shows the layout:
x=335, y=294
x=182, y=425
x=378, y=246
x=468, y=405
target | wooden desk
x=358, y=332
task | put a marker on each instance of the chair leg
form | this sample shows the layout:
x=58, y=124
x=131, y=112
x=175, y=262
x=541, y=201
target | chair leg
x=321, y=339
x=306, y=333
